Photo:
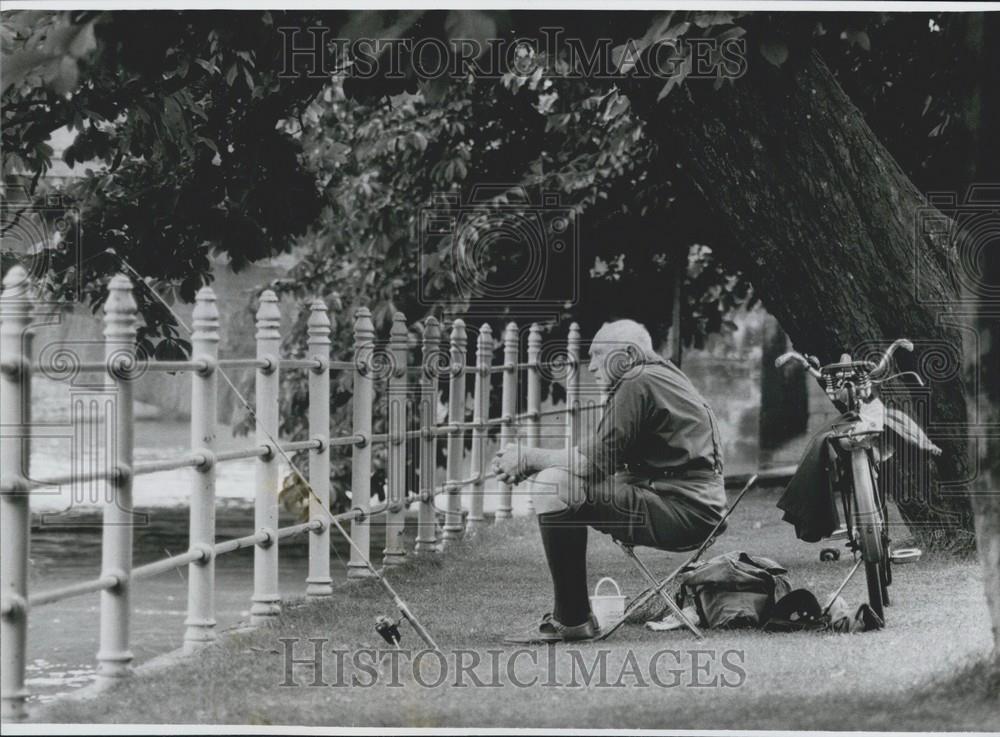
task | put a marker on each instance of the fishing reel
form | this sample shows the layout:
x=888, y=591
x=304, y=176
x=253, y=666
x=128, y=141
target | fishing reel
x=388, y=630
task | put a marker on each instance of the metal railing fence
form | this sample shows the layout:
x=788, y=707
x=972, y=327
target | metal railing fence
x=122, y=367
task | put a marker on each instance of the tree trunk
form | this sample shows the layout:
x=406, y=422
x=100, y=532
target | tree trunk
x=983, y=364
x=784, y=397
x=829, y=230
x=986, y=501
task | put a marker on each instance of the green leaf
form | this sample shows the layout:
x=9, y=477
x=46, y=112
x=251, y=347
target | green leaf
x=83, y=42
x=66, y=76
x=857, y=38
x=675, y=32
x=667, y=88
x=775, y=51
x=207, y=66
x=707, y=20
x=473, y=25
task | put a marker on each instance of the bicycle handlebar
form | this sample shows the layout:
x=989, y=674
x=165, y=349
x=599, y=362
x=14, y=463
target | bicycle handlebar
x=903, y=343
x=795, y=356
x=812, y=365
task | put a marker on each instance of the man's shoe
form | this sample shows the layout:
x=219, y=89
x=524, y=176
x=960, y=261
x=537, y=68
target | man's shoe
x=550, y=630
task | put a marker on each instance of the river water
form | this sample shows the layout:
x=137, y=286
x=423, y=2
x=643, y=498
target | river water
x=66, y=545
x=66, y=548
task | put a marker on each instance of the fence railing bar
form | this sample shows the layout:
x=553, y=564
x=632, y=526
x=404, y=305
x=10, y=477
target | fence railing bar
x=192, y=460
x=297, y=445
x=448, y=486
x=494, y=369
x=346, y=440
x=349, y=516
x=243, y=363
x=560, y=364
x=69, y=478
x=361, y=515
x=239, y=543
x=540, y=413
x=313, y=364
x=120, y=366
x=342, y=365
x=195, y=365
x=163, y=565
x=298, y=529
x=254, y=451
x=72, y=590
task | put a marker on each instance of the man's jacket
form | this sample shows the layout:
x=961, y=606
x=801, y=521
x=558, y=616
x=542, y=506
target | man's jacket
x=810, y=501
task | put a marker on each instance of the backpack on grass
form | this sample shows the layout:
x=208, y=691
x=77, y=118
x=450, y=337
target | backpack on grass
x=734, y=589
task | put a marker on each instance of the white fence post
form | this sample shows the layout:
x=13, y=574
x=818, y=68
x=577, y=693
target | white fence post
x=319, y=583
x=266, y=596
x=200, y=620
x=361, y=459
x=533, y=439
x=114, y=657
x=426, y=518
x=573, y=387
x=480, y=413
x=15, y=518
x=395, y=518
x=453, y=525
x=508, y=409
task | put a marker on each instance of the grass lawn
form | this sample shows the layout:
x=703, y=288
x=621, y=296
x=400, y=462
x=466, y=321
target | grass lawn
x=919, y=673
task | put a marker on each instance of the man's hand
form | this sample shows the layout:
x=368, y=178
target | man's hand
x=511, y=464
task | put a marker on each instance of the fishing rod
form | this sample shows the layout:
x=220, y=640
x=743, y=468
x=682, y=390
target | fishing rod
x=398, y=601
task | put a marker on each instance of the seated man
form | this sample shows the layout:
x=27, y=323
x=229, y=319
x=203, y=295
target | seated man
x=651, y=474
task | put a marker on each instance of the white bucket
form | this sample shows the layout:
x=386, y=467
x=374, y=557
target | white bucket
x=608, y=609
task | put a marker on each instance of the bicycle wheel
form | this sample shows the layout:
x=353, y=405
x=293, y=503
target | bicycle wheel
x=873, y=573
x=869, y=529
x=886, y=566
x=886, y=546
x=886, y=578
